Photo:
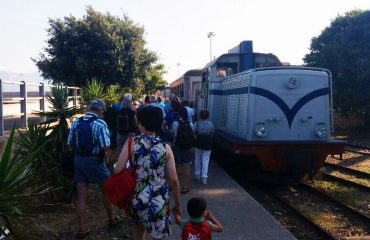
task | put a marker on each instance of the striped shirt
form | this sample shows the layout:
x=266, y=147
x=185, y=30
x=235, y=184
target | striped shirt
x=100, y=133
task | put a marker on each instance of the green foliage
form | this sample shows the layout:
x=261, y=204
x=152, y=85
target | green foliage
x=46, y=161
x=94, y=89
x=154, y=79
x=98, y=46
x=113, y=94
x=344, y=48
x=59, y=134
x=18, y=181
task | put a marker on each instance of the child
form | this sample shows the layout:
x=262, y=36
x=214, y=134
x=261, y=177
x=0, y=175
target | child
x=201, y=222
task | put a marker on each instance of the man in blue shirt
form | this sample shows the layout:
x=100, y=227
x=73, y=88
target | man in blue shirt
x=92, y=168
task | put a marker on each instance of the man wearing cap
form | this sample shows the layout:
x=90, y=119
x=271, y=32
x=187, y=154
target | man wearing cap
x=91, y=168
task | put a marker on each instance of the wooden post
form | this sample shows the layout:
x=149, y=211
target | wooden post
x=1, y=109
x=23, y=91
x=42, y=100
x=75, y=97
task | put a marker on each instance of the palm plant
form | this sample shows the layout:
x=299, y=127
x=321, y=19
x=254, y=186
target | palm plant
x=47, y=159
x=113, y=94
x=59, y=133
x=18, y=182
x=93, y=90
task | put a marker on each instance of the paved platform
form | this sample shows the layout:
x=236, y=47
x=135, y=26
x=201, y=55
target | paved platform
x=241, y=216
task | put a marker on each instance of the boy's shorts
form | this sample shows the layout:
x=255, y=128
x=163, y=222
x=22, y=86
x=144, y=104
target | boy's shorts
x=88, y=169
x=184, y=157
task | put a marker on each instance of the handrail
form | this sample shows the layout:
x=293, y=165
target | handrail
x=23, y=100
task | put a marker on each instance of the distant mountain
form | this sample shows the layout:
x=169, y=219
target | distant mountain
x=34, y=77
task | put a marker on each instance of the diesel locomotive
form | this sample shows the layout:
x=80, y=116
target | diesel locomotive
x=281, y=116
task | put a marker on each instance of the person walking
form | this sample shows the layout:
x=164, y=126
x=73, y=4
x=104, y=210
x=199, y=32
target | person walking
x=126, y=123
x=183, y=147
x=152, y=159
x=89, y=139
x=204, y=131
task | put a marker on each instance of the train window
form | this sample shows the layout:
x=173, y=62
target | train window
x=229, y=67
x=221, y=73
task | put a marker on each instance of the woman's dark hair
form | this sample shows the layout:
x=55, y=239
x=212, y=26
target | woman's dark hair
x=175, y=105
x=185, y=103
x=146, y=99
x=150, y=118
x=183, y=113
x=196, y=206
x=203, y=114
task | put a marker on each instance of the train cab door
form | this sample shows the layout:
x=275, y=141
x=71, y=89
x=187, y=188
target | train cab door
x=203, y=97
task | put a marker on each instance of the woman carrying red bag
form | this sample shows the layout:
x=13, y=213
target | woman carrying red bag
x=151, y=158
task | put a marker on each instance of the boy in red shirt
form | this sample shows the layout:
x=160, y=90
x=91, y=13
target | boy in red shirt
x=201, y=222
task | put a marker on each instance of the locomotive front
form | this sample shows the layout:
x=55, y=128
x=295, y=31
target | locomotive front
x=281, y=115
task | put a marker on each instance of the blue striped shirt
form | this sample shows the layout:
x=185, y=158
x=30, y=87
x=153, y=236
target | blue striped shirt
x=100, y=133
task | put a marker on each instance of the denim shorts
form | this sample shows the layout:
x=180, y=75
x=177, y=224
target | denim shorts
x=88, y=169
x=185, y=157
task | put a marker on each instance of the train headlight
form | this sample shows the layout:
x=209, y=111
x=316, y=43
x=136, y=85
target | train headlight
x=261, y=130
x=321, y=131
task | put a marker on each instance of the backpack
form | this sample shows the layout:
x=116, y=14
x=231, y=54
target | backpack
x=203, y=141
x=123, y=122
x=196, y=231
x=82, y=138
x=185, y=137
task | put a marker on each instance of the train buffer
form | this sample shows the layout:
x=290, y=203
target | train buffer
x=241, y=216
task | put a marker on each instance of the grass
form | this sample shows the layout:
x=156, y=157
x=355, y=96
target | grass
x=59, y=221
x=348, y=195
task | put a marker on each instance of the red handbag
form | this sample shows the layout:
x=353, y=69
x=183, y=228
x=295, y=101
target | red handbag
x=121, y=187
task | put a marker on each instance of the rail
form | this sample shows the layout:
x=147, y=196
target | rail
x=24, y=100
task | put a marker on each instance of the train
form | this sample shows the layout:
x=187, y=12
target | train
x=276, y=116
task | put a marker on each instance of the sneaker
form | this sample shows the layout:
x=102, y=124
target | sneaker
x=204, y=181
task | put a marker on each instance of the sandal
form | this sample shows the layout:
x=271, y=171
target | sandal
x=184, y=190
x=82, y=235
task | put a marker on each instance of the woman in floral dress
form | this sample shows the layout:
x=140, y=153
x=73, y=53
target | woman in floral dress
x=151, y=159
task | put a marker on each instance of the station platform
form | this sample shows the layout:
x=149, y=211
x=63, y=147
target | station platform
x=241, y=216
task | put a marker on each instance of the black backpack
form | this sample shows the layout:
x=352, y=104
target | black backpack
x=124, y=122
x=185, y=138
x=82, y=138
x=203, y=140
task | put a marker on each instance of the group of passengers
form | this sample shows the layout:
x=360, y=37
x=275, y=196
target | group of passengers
x=163, y=137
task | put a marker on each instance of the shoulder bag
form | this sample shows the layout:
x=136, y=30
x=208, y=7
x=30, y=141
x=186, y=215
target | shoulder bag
x=120, y=187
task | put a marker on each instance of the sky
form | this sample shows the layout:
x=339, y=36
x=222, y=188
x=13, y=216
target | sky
x=177, y=29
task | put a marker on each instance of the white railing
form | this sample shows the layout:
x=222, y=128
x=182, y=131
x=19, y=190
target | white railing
x=24, y=100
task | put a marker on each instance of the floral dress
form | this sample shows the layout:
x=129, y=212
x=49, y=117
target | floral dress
x=150, y=203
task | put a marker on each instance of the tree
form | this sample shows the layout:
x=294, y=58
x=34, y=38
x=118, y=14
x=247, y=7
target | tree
x=97, y=46
x=344, y=48
x=154, y=79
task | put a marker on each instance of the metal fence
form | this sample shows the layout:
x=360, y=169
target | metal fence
x=24, y=99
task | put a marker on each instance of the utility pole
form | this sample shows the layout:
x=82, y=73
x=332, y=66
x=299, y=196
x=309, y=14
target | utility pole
x=210, y=35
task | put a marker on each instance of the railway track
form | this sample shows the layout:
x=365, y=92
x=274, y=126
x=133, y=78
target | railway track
x=348, y=176
x=358, y=149
x=310, y=213
x=331, y=217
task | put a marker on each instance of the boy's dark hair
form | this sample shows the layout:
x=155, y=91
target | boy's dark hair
x=203, y=114
x=196, y=206
x=150, y=118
